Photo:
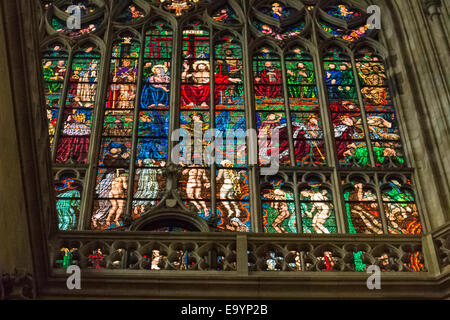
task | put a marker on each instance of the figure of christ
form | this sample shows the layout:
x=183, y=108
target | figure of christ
x=148, y=186
x=117, y=195
x=282, y=208
x=265, y=136
x=197, y=181
x=229, y=68
x=123, y=89
x=268, y=82
x=230, y=189
x=320, y=211
x=196, y=88
x=156, y=89
x=363, y=205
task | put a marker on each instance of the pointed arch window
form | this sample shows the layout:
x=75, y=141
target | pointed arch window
x=304, y=82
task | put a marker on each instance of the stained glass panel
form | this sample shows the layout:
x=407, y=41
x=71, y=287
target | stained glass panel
x=278, y=207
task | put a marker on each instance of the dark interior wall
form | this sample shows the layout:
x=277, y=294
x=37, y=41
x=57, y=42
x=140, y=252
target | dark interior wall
x=14, y=240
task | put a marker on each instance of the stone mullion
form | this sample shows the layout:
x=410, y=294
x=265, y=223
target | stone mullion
x=328, y=130
x=381, y=205
x=134, y=136
x=298, y=211
x=212, y=120
x=175, y=89
x=287, y=111
x=363, y=112
x=96, y=134
x=250, y=117
x=62, y=107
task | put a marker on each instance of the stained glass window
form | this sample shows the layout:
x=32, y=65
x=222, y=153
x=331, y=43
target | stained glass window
x=179, y=107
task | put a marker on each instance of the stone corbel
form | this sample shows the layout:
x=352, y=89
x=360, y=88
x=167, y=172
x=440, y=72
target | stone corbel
x=432, y=8
x=17, y=286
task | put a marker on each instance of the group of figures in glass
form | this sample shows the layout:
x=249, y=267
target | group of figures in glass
x=134, y=124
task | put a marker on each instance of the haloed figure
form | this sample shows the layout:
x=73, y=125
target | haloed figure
x=156, y=88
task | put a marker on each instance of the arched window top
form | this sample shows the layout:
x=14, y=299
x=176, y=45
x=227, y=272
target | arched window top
x=92, y=16
x=56, y=49
x=87, y=50
x=298, y=53
x=266, y=52
x=126, y=46
x=336, y=53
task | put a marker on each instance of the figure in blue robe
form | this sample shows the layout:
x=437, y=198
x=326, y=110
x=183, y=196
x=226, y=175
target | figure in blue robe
x=156, y=89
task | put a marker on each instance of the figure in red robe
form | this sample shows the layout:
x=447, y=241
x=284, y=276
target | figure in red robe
x=196, y=88
x=345, y=120
x=268, y=82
